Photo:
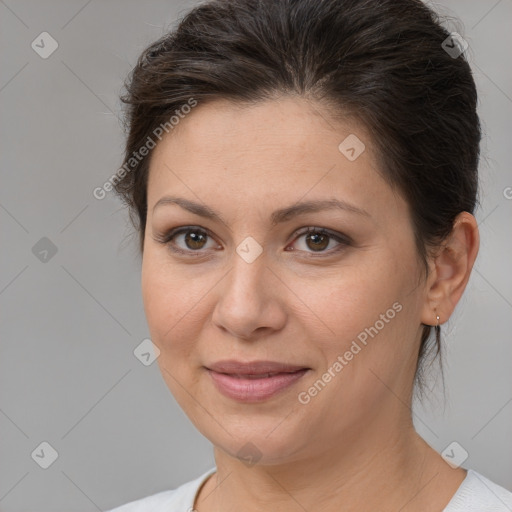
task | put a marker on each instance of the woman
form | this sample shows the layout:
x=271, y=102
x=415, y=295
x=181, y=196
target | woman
x=303, y=175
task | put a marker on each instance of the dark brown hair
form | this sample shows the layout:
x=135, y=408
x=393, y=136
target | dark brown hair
x=382, y=62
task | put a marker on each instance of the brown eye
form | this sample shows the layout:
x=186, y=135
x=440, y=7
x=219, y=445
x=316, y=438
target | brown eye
x=320, y=240
x=317, y=241
x=188, y=240
x=195, y=239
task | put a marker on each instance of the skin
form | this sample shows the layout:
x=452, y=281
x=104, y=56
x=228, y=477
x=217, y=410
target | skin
x=353, y=446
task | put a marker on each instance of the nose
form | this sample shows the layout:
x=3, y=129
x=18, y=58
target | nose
x=250, y=301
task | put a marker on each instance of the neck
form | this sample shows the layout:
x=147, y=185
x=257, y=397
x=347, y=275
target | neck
x=402, y=473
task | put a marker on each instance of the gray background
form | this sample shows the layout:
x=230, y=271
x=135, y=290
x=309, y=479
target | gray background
x=69, y=325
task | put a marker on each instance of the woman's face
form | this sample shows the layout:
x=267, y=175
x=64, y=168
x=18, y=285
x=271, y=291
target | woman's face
x=244, y=282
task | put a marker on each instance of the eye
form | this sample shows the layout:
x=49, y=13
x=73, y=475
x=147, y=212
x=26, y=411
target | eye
x=320, y=240
x=193, y=241
x=188, y=240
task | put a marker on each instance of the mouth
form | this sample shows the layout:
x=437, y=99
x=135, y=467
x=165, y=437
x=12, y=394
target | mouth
x=256, y=381
x=256, y=376
x=233, y=367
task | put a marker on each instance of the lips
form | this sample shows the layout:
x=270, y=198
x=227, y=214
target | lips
x=254, y=376
x=256, y=369
x=256, y=381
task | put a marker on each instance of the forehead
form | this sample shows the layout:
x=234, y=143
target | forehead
x=288, y=123
x=263, y=151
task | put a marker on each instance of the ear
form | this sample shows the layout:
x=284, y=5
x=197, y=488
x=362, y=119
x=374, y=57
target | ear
x=450, y=270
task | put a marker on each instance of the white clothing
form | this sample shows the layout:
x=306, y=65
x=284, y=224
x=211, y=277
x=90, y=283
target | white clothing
x=475, y=494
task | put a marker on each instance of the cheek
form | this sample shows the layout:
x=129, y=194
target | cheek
x=167, y=299
x=370, y=309
x=176, y=305
x=172, y=307
x=355, y=298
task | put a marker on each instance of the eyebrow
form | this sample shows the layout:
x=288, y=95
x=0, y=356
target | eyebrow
x=277, y=217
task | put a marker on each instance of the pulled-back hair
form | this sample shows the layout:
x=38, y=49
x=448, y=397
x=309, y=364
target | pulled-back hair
x=381, y=62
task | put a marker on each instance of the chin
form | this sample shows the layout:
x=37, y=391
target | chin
x=256, y=442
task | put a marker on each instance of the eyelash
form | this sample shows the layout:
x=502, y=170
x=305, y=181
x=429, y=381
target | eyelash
x=167, y=239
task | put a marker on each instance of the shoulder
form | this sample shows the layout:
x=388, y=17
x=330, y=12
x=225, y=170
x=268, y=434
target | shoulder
x=479, y=494
x=180, y=499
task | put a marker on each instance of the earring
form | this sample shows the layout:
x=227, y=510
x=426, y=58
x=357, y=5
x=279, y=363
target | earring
x=437, y=319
